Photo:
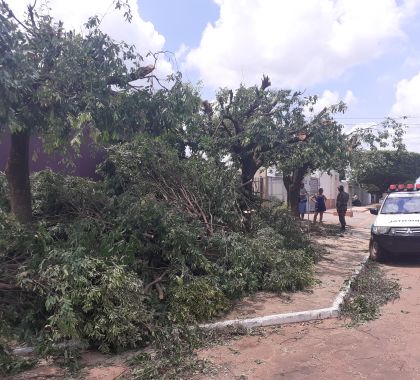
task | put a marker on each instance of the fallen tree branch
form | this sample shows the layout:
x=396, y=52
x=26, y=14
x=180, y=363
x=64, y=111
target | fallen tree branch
x=155, y=281
x=160, y=291
x=7, y=286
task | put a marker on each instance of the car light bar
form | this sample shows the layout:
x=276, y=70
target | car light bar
x=402, y=187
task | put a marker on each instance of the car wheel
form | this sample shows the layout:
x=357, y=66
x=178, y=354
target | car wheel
x=376, y=252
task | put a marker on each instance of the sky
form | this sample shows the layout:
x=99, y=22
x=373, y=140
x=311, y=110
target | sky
x=364, y=52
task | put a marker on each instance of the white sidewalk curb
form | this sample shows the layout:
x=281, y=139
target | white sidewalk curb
x=276, y=319
x=295, y=317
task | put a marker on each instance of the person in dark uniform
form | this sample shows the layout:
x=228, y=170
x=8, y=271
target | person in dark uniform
x=341, y=205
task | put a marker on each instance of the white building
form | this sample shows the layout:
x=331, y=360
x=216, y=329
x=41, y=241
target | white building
x=269, y=183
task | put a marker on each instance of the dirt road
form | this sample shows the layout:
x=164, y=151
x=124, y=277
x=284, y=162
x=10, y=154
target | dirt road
x=387, y=348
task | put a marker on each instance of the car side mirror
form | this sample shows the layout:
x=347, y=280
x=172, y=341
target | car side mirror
x=373, y=211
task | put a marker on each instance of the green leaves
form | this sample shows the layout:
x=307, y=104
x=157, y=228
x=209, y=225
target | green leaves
x=163, y=235
x=160, y=240
x=91, y=299
x=388, y=133
x=256, y=127
x=56, y=82
x=377, y=169
x=197, y=301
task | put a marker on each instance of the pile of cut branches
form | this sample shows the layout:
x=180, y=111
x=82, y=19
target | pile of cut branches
x=159, y=241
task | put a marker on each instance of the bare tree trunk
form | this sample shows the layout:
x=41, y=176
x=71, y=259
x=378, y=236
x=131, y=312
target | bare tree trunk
x=287, y=181
x=292, y=183
x=292, y=193
x=248, y=169
x=17, y=173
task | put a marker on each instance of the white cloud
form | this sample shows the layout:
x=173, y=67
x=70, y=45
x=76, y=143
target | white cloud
x=182, y=51
x=407, y=100
x=350, y=98
x=75, y=13
x=407, y=103
x=297, y=43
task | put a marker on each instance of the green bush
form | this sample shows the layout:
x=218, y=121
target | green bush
x=289, y=271
x=20, y=310
x=91, y=300
x=276, y=215
x=196, y=187
x=57, y=195
x=263, y=263
x=197, y=301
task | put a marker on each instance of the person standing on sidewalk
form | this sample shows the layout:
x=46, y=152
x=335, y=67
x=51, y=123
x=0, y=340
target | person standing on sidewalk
x=320, y=207
x=341, y=205
x=303, y=200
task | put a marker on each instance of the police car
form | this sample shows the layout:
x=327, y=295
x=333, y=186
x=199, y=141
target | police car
x=397, y=226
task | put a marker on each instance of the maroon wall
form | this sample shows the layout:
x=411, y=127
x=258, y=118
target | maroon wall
x=84, y=164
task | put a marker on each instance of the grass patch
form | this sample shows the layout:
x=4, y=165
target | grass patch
x=368, y=292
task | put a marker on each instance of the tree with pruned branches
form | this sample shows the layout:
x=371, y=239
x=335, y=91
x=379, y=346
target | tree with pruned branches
x=330, y=147
x=257, y=127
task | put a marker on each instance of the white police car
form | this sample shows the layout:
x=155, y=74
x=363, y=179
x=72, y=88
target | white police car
x=397, y=226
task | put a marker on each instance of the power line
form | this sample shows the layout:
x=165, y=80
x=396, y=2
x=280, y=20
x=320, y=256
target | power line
x=375, y=117
x=367, y=120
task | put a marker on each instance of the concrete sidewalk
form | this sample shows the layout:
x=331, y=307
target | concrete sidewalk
x=345, y=253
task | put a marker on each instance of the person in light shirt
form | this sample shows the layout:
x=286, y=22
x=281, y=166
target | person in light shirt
x=303, y=200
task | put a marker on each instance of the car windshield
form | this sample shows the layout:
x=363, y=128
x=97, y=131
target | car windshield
x=403, y=205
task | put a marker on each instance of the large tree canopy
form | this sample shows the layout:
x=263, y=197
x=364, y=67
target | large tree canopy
x=256, y=127
x=325, y=150
x=377, y=169
x=55, y=84
x=330, y=147
x=167, y=113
